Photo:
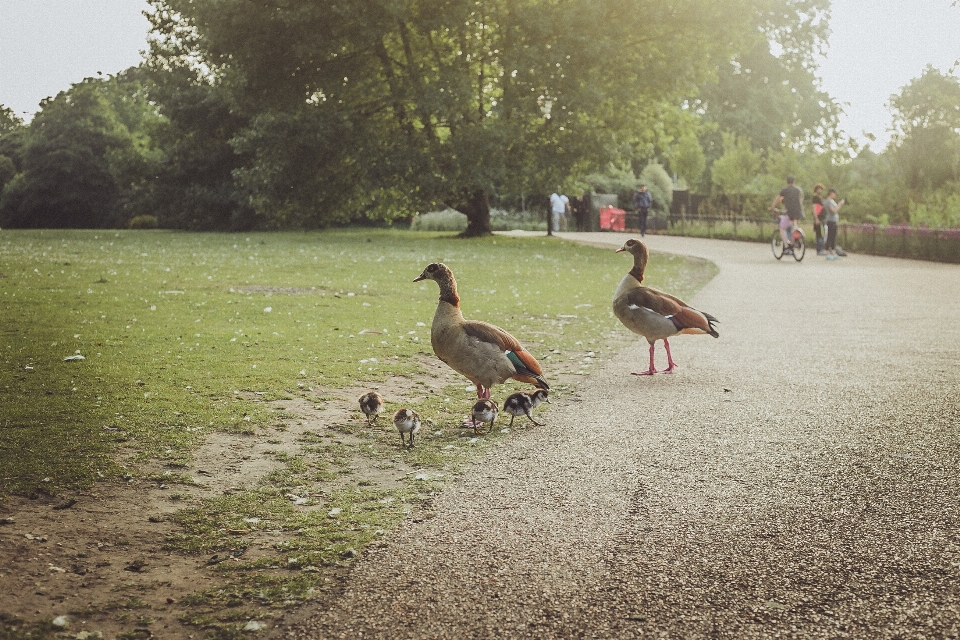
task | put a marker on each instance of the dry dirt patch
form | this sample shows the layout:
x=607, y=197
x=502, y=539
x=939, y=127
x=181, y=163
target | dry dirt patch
x=99, y=558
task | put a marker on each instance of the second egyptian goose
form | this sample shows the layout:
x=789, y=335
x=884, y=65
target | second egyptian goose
x=484, y=354
x=653, y=314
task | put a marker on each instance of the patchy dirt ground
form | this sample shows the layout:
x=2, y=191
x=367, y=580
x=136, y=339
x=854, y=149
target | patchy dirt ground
x=99, y=557
x=99, y=563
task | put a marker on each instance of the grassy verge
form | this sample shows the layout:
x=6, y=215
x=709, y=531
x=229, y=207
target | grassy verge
x=187, y=334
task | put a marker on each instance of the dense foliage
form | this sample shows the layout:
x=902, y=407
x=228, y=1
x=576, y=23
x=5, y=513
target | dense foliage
x=84, y=161
x=382, y=106
x=297, y=114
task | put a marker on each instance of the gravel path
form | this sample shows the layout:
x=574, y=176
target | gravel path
x=796, y=478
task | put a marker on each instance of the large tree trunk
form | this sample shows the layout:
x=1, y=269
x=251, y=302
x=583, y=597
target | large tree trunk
x=477, y=210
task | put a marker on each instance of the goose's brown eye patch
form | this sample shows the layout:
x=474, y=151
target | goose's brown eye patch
x=432, y=268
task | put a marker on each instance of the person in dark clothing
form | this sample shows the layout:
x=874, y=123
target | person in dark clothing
x=818, y=216
x=581, y=211
x=642, y=201
x=792, y=198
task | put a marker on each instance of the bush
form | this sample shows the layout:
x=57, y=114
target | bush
x=500, y=220
x=143, y=222
x=618, y=180
x=446, y=220
x=530, y=220
x=660, y=185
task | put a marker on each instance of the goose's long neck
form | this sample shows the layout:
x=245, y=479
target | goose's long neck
x=448, y=291
x=638, y=266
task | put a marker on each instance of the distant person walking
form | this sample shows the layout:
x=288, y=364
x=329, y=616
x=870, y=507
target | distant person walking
x=818, y=216
x=792, y=198
x=642, y=201
x=559, y=207
x=581, y=210
x=832, y=209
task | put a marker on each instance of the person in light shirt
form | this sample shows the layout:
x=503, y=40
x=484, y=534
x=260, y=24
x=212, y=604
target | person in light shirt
x=559, y=207
x=832, y=210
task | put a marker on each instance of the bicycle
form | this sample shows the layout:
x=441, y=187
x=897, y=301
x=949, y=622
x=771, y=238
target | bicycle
x=797, y=247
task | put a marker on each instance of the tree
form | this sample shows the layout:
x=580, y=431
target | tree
x=688, y=160
x=376, y=105
x=737, y=167
x=9, y=121
x=10, y=125
x=769, y=92
x=660, y=186
x=80, y=161
x=926, y=141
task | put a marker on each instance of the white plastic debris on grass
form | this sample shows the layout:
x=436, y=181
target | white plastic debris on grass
x=255, y=625
x=60, y=621
x=335, y=511
x=268, y=309
x=251, y=520
x=74, y=358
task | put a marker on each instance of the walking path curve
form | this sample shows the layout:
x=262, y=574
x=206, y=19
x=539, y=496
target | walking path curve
x=796, y=478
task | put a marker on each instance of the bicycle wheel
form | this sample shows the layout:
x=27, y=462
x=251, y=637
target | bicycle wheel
x=799, y=248
x=776, y=245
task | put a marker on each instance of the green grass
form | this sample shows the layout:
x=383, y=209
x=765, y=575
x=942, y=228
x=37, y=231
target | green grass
x=173, y=324
x=178, y=340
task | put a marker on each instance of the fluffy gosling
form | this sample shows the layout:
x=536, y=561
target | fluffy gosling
x=406, y=421
x=484, y=411
x=371, y=403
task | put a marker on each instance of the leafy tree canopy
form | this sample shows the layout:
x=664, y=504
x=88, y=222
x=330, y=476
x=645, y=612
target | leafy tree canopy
x=926, y=143
x=769, y=92
x=378, y=105
x=9, y=120
x=81, y=158
x=737, y=167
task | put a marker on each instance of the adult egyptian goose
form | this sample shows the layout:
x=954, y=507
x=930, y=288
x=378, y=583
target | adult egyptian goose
x=486, y=355
x=521, y=404
x=653, y=314
x=484, y=411
x=371, y=403
x=406, y=421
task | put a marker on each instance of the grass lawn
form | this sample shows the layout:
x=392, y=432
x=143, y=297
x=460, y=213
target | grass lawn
x=184, y=335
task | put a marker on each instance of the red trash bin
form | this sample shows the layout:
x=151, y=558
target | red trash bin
x=612, y=219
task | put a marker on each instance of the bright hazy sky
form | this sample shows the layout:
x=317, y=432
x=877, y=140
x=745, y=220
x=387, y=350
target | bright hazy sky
x=876, y=47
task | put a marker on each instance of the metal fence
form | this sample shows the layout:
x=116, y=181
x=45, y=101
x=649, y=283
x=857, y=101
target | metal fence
x=900, y=241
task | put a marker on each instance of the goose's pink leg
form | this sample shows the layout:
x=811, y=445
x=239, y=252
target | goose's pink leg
x=482, y=392
x=652, y=370
x=671, y=365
